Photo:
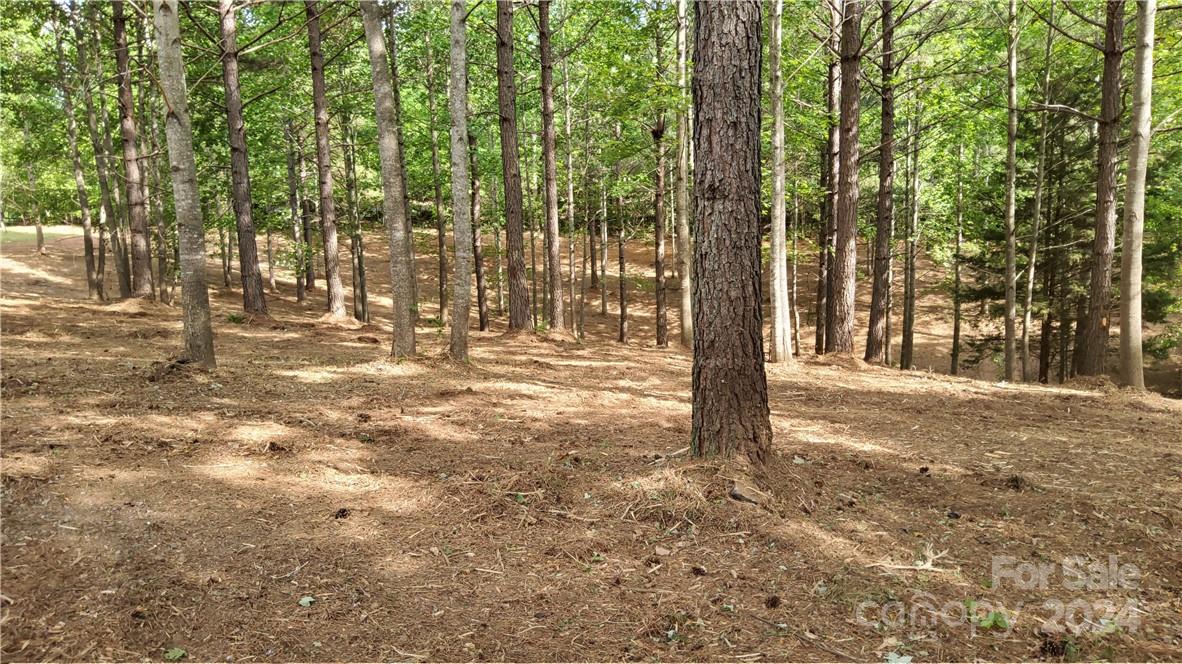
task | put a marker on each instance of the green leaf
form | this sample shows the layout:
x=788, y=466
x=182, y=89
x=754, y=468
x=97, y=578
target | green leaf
x=307, y=600
x=175, y=654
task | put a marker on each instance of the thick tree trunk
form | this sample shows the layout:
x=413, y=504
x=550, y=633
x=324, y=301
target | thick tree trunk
x=328, y=217
x=437, y=182
x=845, y=256
x=1131, y=368
x=681, y=186
x=876, y=341
x=554, y=306
x=730, y=408
x=1011, y=185
x=198, y=331
x=1095, y=335
x=393, y=185
x=780, y=349
x=460, y=196
x=519, y=308
x=92, y=283
x=253, y=300
x=137, y=214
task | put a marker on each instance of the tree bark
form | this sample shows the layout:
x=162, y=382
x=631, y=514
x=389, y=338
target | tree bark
x=106, y=210
x=460, y=196
x=1036, y=216
x=780, y=348
x=437, y=182
x=328, y=217
x=885, y=207
x=393, y=185
x=907, y=351
x=293, y=206
x=658, y=133
x=681, y=187
x=1132, y=371
x=1011, y=184
x=198, y=330
x=845, y=257
x=253, y=300
x=141, y=261
x=554, y=306
x=730, y=408
x=92, y=284
x=570, y=194
x=519, y=308
x=956, y=261
x=477, y=251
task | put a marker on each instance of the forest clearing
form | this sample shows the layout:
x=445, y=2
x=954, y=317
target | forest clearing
x=538, y=504
x=590, y=330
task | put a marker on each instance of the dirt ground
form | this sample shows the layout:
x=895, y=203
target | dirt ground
x=311, y=500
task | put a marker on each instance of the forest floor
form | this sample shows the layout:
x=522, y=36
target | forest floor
x=311, y=500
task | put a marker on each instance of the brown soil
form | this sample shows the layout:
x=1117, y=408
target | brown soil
x=537, y=503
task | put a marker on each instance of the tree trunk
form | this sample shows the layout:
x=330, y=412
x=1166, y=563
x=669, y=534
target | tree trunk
x=1011, y=184
x=1131, y=369
x=392, y=56
x=834, y=163
x=106, y=210
x=437, y=181
x=1095, y=335
x=477, y=251
x=845, y=257
x=141, y=261
x=1036, y=217
x=253, y=300
x=907, y=352
x=353, y=221
x=730, y=408
x=308, y=211
x=554, y=306
x=328, y=217
x=570, y=194
x=780, y=348
x=497, y=253
x=118, y=219
x=956, y=261
x=519, y=309
x=885, y=208
x=603, y=249
x=92, y=284
x=681, y=186
x=198, y=330
x=460, y=196
x=795, y=310
x=393, y=186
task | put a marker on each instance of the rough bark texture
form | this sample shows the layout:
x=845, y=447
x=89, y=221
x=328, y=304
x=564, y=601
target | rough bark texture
x=92, y=283
x=1131, y=367
x=884, y=224
x=681, y=188
x=554, y=306
x=198, y=331
x=460, y=196
x=393, y=186
x=840, y=337
x=437, y=182
x=519, y=309
x=253, y=299
x=1011, y=277
x=328, y=217
x=137, y=214
x=730, y=409
x=1095, y=334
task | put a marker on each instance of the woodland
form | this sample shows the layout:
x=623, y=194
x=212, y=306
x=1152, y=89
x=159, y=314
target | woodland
x=590, y=330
